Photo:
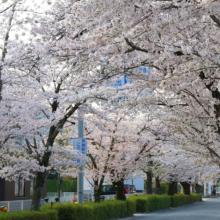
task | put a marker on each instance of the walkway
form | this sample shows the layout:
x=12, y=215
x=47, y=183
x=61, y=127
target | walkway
x=207, y=210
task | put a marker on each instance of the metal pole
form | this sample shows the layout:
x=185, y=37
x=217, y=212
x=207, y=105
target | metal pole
x=80, y=174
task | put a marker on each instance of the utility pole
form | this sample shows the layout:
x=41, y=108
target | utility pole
x=80, y=173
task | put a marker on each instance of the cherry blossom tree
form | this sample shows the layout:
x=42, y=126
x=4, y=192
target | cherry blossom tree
x=45, y=91
x=120, y=141
x=76, y=49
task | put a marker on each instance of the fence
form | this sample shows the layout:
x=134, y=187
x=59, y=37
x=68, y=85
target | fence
x=17, y=205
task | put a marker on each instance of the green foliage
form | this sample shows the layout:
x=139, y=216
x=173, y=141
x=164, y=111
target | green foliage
x=150, y=202
x=69, y=186
x=92, y=211
x=164, y=188
x=181, y=199
x=64, y=210
x=29, y=215
x=131, y=208
x=105, y=210
x=66, y=186
x=197, y=197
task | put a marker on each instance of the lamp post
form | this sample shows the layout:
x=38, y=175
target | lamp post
x=80, y=173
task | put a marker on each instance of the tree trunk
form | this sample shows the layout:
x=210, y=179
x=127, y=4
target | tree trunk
x=97, y=190
x=149, y=183
x=97, y=193
x=40, y=180
x=172, y=188
x=119, y=189
x=4, y=48
x=157, y=188
x=186, y=187
x=198, y=188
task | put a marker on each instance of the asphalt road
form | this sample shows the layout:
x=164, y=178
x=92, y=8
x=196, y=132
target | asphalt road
x=207, y=210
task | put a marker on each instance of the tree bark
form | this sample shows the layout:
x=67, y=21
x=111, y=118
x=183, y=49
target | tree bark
x=97, y=193
x=186, y=187
x=149, y=183
x=172, y=188
x=4, y=49
x=40, y=180
x=98, y=188
x=157, y=188
x=119, y=189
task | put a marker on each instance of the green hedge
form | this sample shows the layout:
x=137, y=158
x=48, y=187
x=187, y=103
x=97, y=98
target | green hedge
x=181, y=199
x=144, y=203
x=108, y=209
x=66, y=186
x=197, y=197
x=150, y=202
x=29, y=215
x=93, y=211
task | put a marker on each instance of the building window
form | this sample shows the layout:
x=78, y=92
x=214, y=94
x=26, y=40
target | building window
x=19, y=187
x=32, y=183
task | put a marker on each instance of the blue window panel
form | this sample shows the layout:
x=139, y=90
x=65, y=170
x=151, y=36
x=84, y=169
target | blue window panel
x=83, y=148
x=119, y=82
x=78, y=148
x=83, y=140
x=78, y=161
x=125, y=79
x=83, y=145
x=114, y=84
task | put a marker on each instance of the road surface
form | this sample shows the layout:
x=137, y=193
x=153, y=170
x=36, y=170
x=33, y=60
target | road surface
x=209, y=209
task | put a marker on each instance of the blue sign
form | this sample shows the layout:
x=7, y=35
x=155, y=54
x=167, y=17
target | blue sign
x=125, y=79
x=80, y=144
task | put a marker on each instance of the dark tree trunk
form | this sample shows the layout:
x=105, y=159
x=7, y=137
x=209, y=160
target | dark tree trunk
x=157, y=188
x=198, y=188
x=119, y=189
x=97, y=193
x=186, y=187
x=40, y=180
x=149, y=183
x=98, y=189
x=172, y=188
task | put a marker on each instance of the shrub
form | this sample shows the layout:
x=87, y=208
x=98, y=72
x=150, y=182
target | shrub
x=196, y=197
x=131, y=207
x=181, y=199
x=109, y=209
x=29, y=215
x=69, y=186
x=141, y=203
x=91, y=211
x=150, y=202
x=65, y=211
x=66, y=186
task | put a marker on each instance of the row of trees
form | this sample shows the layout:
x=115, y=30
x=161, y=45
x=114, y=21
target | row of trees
x=61, y=56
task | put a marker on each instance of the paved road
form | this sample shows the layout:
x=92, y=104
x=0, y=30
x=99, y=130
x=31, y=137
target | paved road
x=207, y=210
